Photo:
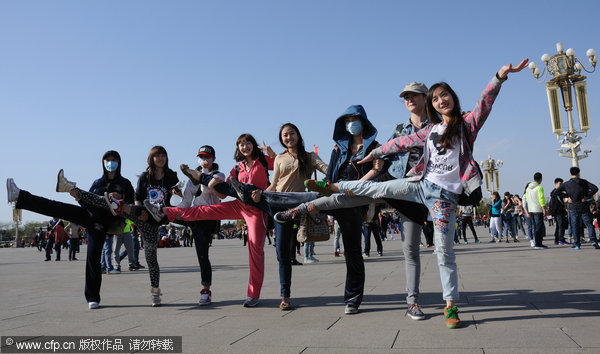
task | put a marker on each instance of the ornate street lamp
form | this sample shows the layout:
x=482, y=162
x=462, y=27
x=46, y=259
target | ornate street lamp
x=490, y=170
x=565, y=70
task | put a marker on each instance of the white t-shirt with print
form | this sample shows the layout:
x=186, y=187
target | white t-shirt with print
x=443, y=167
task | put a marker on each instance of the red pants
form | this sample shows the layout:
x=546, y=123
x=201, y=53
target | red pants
x=255, y=222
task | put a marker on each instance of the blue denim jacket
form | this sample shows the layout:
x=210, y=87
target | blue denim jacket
x=399, y=161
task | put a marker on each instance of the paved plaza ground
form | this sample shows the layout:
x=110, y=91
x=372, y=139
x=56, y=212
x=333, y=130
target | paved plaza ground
x=513, y=299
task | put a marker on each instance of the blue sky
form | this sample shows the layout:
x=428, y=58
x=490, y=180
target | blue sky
x=78, y=78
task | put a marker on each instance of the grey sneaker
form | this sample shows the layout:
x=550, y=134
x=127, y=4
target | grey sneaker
x=351, y=309
x=251, y=302
x=12, y=190
x=115, y=271
x=154, y=210
x=63, y=184
x=284, y=216
x=156, y=301
x=93, y=305
x=414, y=312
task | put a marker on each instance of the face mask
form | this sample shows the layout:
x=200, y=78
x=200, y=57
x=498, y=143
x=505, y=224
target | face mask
x=111, y=166
x=354, y=127
x=201, y=161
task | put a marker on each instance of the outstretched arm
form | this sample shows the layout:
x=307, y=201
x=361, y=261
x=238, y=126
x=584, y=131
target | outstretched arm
x=503, y=72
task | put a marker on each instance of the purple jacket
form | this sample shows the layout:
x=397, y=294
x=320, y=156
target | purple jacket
x=469, y=172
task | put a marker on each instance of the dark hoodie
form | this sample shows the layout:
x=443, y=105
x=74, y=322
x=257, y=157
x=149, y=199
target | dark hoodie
x=340, y=167
x=118, y=184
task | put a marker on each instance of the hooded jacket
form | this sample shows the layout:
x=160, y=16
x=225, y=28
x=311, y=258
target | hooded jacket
x=118, y=184
x=341, y=154
x=535, y=199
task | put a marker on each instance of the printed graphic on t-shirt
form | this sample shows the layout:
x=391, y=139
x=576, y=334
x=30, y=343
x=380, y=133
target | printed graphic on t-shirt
x=441, y=163
x=156, y=195
x=435, y=137
x=443, y=168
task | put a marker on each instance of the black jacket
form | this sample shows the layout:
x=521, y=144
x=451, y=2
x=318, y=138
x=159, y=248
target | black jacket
x=578, y=189
x=557, y=206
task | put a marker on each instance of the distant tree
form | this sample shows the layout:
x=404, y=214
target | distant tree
x=484, y=206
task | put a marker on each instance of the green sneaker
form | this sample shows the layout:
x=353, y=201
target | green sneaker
x=452, y=320
x=318, y=186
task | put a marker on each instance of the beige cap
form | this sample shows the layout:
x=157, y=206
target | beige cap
x=416, y=87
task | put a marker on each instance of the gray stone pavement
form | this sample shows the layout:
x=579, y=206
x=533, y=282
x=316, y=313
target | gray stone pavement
x=513, y=299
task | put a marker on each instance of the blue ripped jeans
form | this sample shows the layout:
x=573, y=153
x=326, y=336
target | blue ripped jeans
x=442, y=207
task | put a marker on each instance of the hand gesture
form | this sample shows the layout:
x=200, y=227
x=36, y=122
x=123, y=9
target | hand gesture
x=267, y=150
x=367, y=158
x=503, y=72
x=256, y=194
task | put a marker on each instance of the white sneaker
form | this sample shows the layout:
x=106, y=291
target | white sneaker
x=532, y=243
x=93, y=305
x=205, y=297
x=308, y=260
x=351, y=309
x=12, y=190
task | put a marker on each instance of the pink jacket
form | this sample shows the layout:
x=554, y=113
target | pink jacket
x=257, y=175
x=469, y=171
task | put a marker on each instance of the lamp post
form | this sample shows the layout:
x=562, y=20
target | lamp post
x=17, y=217
x=490, y=170
x=565, y=70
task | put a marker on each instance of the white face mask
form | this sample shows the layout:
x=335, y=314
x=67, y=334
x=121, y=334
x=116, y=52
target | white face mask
x=204, y=162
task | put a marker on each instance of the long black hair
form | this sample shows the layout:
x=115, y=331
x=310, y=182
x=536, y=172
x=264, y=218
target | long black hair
x=455, y=124
x=302, y=155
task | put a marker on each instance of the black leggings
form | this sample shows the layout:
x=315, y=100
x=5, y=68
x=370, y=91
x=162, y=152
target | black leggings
x=202, y=232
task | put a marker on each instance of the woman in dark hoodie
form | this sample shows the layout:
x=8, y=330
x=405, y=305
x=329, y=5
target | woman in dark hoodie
x=354, y=138
x=97, y=221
